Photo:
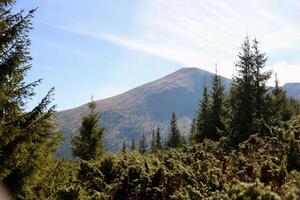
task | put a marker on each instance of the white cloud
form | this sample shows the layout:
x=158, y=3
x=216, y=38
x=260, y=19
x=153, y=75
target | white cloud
x=202, y=33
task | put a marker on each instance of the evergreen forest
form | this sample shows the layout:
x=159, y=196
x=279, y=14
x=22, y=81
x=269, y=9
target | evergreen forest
x=244, y=143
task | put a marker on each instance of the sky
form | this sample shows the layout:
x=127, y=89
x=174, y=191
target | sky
x=106, y=47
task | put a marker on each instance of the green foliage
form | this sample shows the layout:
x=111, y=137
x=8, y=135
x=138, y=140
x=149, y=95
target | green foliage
x=257, y=169
x=175, y=139
x=203, y=120
x=133, y=144
x=124, y=147
x=217, y=96
x=253, y=191
x=248, y=93
x=282, y=108
x=89, y=143
x=263, y=165
x=27, y=138
x=153, y=143
x=208, y=122
x=143, y=145
x=158, y=141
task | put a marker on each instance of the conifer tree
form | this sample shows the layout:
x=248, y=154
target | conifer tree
x=89, y=143
x=175, y=138
x=124, y=148
x=143, y=145
x=217, y=95
x=243, y=95
x=260, y=79
x=248, y=93
x=193, y=129
x=153, y=143
x=132, y=144
x=158, y=139
x=280, y=108
x=203, y=120
x=27, y=137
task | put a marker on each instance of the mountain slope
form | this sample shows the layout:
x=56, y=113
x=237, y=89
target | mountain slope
x=141, y=109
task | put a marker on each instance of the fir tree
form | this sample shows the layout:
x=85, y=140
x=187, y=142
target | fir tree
x=132, y=144
x=217, y=95
x=89, y=143
x=158, y=139
x=124, y=148
x=27, y=138
x=175, y=138
x=243, y=95
x=203, y=120
x=249, y=97
x=260, y=79
x=143, y=145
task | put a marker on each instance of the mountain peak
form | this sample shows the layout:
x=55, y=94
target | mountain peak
x=191, y=70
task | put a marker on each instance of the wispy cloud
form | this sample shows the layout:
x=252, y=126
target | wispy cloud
x=202, y=33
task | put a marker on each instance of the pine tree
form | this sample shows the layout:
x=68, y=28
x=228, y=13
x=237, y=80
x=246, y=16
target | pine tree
x=217, y=95
x=203, y=120
x=132, y=144
x=158, y=139
x=124, y=148
x=175, y=138
x=89, y=143
x=27, y=138
x=143, y=145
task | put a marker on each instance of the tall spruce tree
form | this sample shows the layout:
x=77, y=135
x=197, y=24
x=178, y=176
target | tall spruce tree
x=143, y=145
x=158, y=142
x=133, y=144
x=243, y=95
x=175, y=139
x=217, y=95
x=27, y=137
x=88, y=144
x=260, y=79
x=248, y=92
x=203, y=120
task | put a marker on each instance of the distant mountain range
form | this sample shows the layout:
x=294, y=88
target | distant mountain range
x=292, y=90
x=142, y=109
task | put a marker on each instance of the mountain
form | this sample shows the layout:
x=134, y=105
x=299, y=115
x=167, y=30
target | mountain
x=142, y=109
x=292, y=90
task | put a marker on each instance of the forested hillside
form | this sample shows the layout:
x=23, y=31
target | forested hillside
x=244, y=142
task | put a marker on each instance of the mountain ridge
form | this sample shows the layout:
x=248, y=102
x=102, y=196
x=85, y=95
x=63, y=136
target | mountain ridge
x=145, y=107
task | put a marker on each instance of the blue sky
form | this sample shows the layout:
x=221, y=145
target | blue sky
x=105, y=47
